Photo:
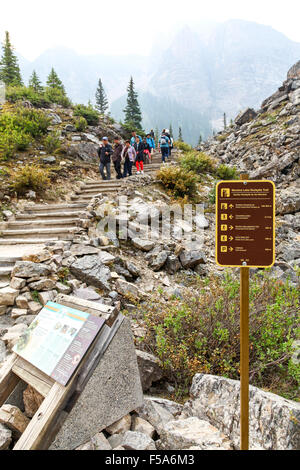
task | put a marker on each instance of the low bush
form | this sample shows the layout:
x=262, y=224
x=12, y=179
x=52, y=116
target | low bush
x=55, y=95
x=198, y=162
x=182, y=146
x=81, y=124
x=88, y=112
x=200, y=333
x=21, y=93
x=225, y=172
x=30, y=177
x=52, y=142
x=179, y=182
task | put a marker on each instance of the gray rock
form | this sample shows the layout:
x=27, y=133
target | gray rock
x=201, y=221
x=28, y=269
x=63, y=288
x=128, y=289
x=273, y=419
x=8, y=296
x=141, y=425
x=185, y=433
x=13, y=334
x=81, y=250
x=172, y=264
x=17, y=283
x=49, y=160
x=47, y=296
x=159, y=260
x=190, y=259
x=121, y=426
x=134, y=271
x=70, y=128
x=150, y=369
x=155, y=414
x=142, y=244
x=86, y=294
x=133, y=440
x=245, y=116
x=100, y=442
x=88, y=269
x=43, y=284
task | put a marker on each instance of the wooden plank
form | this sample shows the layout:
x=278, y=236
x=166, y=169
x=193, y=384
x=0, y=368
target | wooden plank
x=36, y=431
x=8, y=380
x=41, y=382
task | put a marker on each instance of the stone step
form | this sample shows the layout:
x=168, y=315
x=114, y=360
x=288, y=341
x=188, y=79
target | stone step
x=26, y=241
x=41, y=215
x=70, y=222
x=5, y=271
x=39, y=232
x=87, y=197
x=99, y=189
x=54, y=207
x=99, y=186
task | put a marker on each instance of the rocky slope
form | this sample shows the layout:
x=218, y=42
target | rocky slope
x=266, y=145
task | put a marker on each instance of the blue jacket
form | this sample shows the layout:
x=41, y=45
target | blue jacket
x=151, y=142
x=166, y=139
x=132, y=140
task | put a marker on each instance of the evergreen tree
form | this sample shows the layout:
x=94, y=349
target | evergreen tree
x=180, y=139
x=101, y=99
x=9, y=68
x=171, y=131
x=156, y=134
x=225, y=121
x=200, y=140
x=35, y=83
x=53, y=81
x=133, y=115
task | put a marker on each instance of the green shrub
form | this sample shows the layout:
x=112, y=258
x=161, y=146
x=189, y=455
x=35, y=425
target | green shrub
x=88, y=112
x=15, y=94
x=200, y=333
x=52, y=142
x=179, y=182
x=182, y=146
x=225, y=172
x=81, y=124
x=198, y=162
x=55, y=95
x=29, y=177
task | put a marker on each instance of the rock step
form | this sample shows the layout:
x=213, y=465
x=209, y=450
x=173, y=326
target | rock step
x=9, y=260
x=26, y=241
x=87, y=197
x=5, y=271
x=36, y=233
x=40, y=223
x=98, y=187
x=55, y=207
x=41, y=216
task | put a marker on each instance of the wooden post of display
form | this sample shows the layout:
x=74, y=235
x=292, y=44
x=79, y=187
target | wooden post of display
x=244, y=353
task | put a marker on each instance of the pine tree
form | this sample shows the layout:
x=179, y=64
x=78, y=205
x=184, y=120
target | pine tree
x=200, y=140
x=156, y=134
x=225, y=121
x=53, y=81
x=133, y=115
x=180, y=139
x=35, y=83
x=171, y=131
x=101, y=99
x=9, y=68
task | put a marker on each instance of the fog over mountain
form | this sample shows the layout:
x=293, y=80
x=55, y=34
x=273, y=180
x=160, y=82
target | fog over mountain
x=190, y=79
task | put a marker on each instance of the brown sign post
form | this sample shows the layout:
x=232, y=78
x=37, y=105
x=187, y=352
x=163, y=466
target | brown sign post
x=245, y=237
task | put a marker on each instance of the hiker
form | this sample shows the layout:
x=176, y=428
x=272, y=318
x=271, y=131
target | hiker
x=171, y=141
x=133, y=138
x=139, y=160
x=105, y=151
x=128, y=156
x=117, y=157
x=152, y=134
x=147, y=150
x=164, y=146
x=151, y=143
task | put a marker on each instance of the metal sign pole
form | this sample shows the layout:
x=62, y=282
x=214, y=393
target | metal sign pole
x=244, y=353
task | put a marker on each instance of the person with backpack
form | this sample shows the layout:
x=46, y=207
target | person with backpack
x=147, y=150
x=104, y=152
x=164, y=146
x=133, y=138
x=151, y=143
x=139, y=160
x=117, y=157
x=171, y=141
x=128, y=156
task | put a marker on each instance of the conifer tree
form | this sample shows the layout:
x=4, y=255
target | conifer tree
x=200, y=140
x=225, y=121
x=133, y=115
x=101, y=99
x=180, y=139
x=53, y=81
x=171, y=131
x=9, y=68
x=156, y=134
x=35, y=83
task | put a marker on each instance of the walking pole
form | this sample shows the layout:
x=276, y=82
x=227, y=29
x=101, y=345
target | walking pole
x=244, y=353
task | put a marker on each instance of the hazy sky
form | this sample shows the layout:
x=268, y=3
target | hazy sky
x=128, y=26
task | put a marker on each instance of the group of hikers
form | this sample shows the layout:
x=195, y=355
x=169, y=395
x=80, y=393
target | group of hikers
x=135, y=151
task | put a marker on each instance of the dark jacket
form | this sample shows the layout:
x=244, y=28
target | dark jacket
x=116, y=156
x=140, y=151
x=102, y=151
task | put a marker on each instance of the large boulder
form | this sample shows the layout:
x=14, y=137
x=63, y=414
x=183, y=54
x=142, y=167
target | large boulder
x=294, y=72
x=191, y=258
x=28, y=269
x=185, y=433
x=273, y=420
x=142, y=244
x=288, y=201
x=8, y=296
x=85, y=151
x=90, y=270
x=150, y=369
x=245, y=116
